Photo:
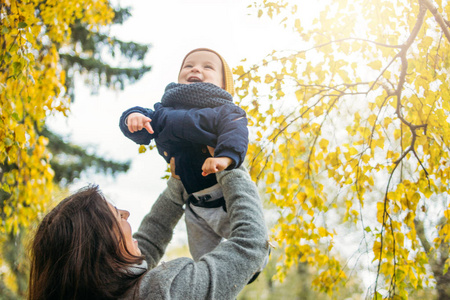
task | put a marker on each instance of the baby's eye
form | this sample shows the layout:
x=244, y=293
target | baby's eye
x=188, y=66
x=209, y=67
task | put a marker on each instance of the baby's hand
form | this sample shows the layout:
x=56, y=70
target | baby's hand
x=137, y=121
x=215, y=164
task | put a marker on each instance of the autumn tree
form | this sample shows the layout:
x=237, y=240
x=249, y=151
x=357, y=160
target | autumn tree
x=296, y=284
x=351, y=140
x=44, y=46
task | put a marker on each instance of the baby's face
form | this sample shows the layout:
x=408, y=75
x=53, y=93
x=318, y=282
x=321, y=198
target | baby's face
x=202, y=66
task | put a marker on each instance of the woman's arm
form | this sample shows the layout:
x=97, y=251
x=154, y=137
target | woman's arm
x=222, y=273
x=156, y=229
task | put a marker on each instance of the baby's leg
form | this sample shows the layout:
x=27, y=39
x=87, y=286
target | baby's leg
x=216, y=218
x=201, y=238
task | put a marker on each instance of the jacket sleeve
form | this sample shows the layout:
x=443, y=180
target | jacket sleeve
x=224, y=272
x=141, y=137
x=232, y=136
x=223, y=127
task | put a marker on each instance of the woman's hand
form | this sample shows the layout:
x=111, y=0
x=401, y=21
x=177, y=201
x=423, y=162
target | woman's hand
x=172, y=168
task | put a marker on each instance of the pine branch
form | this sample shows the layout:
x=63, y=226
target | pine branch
x=100, y=72
x=94, y=43
x=69, y=161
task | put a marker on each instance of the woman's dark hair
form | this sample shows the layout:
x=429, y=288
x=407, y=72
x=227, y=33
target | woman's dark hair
x=79, y=252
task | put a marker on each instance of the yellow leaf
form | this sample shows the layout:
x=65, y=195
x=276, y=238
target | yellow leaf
x=323, y=144
x=380, y=211
x=297, y=25
x=142, y=149
x=376, y=65
x=270, y=178
x=20, y=133
x=239, y=71
x=268, y=79
x=372, y=119
x=63, y=77
x=322, y=231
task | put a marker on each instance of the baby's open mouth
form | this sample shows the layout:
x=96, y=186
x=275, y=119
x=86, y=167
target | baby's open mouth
x=194, y=79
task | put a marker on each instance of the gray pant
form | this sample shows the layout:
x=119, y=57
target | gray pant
x=206, y=227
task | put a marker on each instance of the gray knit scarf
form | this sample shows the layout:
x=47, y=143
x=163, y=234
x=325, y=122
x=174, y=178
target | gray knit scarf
x=200, y=95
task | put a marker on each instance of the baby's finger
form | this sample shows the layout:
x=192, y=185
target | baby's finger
x=132, y=127
x=148, y=127
x=209, y=170
x=206, y=168
x=205, y=171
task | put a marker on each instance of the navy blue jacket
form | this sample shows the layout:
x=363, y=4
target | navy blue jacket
x=183, y=132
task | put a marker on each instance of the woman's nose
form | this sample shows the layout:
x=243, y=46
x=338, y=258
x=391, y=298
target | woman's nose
x=124, y=214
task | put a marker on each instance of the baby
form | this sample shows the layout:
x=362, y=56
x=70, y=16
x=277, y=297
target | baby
x=200, y=131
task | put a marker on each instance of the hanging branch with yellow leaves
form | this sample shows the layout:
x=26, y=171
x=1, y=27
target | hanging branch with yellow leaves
x=351, y=134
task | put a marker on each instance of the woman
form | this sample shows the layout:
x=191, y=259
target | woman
x=83, y=248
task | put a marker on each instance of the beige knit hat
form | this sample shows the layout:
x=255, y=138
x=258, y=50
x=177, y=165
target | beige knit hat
x=227, y=75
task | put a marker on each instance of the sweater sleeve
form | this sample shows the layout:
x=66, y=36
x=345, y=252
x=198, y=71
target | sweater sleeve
x=222, y=273
x=141, y=137
x=156, y=229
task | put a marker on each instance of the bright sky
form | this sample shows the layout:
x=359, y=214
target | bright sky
x=173, y=27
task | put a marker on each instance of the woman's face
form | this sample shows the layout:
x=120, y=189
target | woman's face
x=122, y=217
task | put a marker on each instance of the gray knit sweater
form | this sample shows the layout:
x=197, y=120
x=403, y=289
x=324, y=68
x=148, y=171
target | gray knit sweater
x=220, y=274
